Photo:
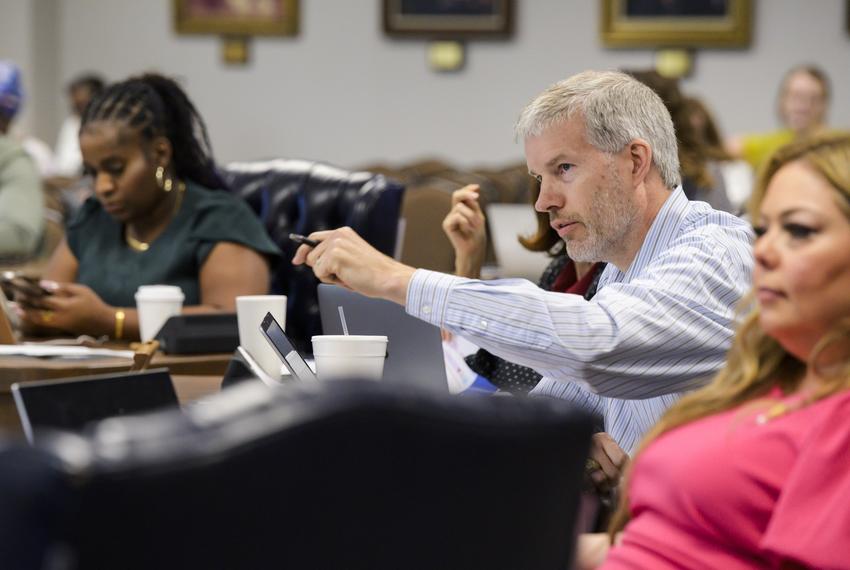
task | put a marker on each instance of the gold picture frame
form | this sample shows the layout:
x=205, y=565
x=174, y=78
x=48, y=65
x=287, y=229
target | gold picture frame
x=236, y=17
x=671, y=23
x=460, y=19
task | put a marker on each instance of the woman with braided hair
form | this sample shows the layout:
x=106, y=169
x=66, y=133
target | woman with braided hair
x=159, y=215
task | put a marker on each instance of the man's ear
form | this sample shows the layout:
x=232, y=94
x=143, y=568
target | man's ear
x=161, y=151
x=640, y=154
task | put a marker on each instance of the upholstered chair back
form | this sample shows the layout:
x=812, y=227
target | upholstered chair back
x=302, y=196
x=343, y=475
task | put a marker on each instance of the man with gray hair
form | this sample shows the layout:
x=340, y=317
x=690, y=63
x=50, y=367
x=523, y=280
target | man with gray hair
x=603, y=148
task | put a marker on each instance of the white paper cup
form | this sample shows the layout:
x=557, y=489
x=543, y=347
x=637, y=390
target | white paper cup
x=349, y=356
x=156, y=303
x=250, y=312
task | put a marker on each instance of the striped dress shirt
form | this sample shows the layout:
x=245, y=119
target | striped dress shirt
x=661, y=328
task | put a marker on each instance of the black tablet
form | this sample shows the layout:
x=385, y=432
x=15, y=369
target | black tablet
x=283, y=346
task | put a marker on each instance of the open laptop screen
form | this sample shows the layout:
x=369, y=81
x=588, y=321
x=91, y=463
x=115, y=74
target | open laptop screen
x=415, y=352
x=70, y=404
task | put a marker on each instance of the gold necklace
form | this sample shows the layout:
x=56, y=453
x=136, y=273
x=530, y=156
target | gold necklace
x=781, y=408
x=135, y=244
x=139, y=245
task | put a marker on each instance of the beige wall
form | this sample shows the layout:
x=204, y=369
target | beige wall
x=342, y=92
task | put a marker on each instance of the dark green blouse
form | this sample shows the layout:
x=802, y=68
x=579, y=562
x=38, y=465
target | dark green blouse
x=206, y=217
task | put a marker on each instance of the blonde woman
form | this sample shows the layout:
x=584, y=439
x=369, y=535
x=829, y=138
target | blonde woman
x=753, y=471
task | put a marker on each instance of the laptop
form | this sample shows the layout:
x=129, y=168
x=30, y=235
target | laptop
x=415, y=348
x=71, y=404
x=507, y=222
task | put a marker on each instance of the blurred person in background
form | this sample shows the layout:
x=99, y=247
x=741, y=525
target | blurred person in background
x=159, y=215
x=802, y=108
x=21, y=197
x=80, y=91
x=66, y=178
x=736, y=176
x=700, y=179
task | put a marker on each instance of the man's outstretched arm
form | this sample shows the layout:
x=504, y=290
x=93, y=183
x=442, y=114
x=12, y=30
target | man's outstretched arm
x=344, y=258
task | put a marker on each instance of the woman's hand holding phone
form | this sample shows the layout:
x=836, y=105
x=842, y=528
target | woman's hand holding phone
x=47, y=307
x=70, y=307
x=25, y=290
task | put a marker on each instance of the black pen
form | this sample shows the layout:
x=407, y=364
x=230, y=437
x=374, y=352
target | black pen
x=298, y=238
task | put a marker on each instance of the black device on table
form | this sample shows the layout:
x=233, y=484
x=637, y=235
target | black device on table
x=199, y=334
x=290, y=357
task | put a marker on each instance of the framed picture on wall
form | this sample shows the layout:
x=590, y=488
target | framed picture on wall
x=236, y=17
x=676, y=23
x=448, y=18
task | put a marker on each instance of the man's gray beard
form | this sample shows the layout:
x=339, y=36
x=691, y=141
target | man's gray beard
x=582, y=253
x=587, y=251
x=615, y=215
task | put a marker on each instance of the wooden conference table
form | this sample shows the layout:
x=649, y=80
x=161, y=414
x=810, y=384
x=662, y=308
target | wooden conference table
x=194, y=375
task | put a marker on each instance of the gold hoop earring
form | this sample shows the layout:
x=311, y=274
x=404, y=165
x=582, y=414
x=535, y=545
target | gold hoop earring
x=165, y=183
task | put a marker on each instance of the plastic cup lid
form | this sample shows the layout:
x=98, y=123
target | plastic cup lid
x=160, y=293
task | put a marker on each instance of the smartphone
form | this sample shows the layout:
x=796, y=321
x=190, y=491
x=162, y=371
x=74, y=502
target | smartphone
x=283, y=346
x=16, y=283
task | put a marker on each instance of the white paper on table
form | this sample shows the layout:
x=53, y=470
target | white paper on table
x=54, y=351
x=460, y=376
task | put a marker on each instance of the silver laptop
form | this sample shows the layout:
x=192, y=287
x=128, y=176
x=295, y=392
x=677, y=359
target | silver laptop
x=507, y=221
x=415, y=348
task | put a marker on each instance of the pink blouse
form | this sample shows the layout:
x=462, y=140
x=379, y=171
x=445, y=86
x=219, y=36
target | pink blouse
x=729, y=492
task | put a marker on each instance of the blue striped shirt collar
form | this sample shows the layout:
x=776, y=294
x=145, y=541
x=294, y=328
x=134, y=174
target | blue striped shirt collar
x=663, y=229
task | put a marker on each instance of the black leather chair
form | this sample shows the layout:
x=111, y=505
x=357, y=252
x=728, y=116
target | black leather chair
x=358, y=475
x=302, y=196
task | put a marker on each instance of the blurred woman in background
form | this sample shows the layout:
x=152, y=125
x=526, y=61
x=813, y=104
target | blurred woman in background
x=735, y=176
x=802, y=107
x=700, y=180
